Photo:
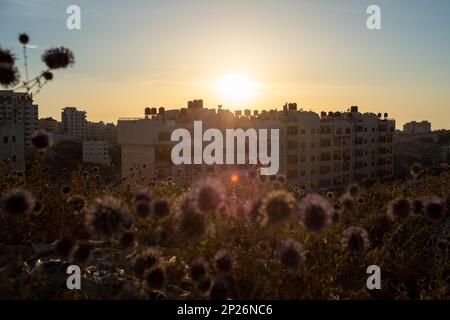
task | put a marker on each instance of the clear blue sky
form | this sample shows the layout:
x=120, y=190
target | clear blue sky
x=133, y=54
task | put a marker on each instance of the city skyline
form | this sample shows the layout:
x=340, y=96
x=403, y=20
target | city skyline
x=319, y=55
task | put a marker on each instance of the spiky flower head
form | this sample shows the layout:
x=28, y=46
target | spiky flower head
x=127, y=239
x=17, y=202
x=354, y=190
x=435, y=209
x=417, y=206
x=316, y=212
x=66, y=189
x=41, y=140
x=47, y=75
x=224, y=261
x=347, y=202
x=143, y=194
x=107, y=218
x=143, y=208
x=208, y=195
x=292, y=254
x=77, y=203
x=355, y=239
x=330, y=195
x=399, y=208
x=24, y=38
x=415, y=170
x=278, y=206
x=192, y=224
x=199, y=269
x=204, y=285
x=56, y=58
x=160, y=208
x=155, y=277
x=220, y=289
x=9, y=75
x=7, y=57
x=145, y=259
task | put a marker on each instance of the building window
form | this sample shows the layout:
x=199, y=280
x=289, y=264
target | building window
x=13, y=138
x=292, y=131
x=5, y=139
x=292, y=159
x=292, y=145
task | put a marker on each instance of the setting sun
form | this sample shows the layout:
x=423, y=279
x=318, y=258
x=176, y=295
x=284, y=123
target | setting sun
x=236, y=88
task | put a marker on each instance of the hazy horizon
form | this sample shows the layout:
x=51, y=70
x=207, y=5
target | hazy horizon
x=318, y=54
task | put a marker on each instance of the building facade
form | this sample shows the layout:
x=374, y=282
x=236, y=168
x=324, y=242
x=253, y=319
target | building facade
x=101, y=131
x=96, y=152
x=73, y=122
x=327, y=150
x=414, y=127
x=48, y=124
x=18, y=123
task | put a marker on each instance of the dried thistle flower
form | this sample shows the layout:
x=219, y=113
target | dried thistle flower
x=315, y=212
x=41, y=140
x=155, y=277
x=277, y=207
x=292, y=254
x=56, y=58
x=24, y=38
x=355, y=239
x=224, y=262
x=17, y=202
x=9, y=75
x=107, y=218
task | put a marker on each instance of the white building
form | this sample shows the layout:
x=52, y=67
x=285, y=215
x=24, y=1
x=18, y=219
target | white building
x=414, y=127
x=328, y=151
x=96, y=151
x=73, y=122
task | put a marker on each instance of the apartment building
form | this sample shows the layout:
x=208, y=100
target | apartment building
x=17, y=108
x=18, y=123
x=96, y=151
x=48, y=124
x=101, y=131
x=328, y=150
x=73, y=122
x=414, y=127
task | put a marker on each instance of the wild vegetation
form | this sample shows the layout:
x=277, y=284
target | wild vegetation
x=230, y=236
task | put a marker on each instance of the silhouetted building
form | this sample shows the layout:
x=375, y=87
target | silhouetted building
x=328, y=150
x=414, y=127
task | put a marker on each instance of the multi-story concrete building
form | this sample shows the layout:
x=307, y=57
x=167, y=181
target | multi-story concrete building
x=414, y=127
x=101, y=131
x=96, y=152
x=18, y=108
x=12, y=145
x=18, y=123
x=327, y=150
x=48, y=124
x=73, y=122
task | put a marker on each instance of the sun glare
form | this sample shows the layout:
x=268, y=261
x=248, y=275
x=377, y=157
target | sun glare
x=236, y=88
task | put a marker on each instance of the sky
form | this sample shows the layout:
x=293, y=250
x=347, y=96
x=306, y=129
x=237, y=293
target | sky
x=320, y=54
